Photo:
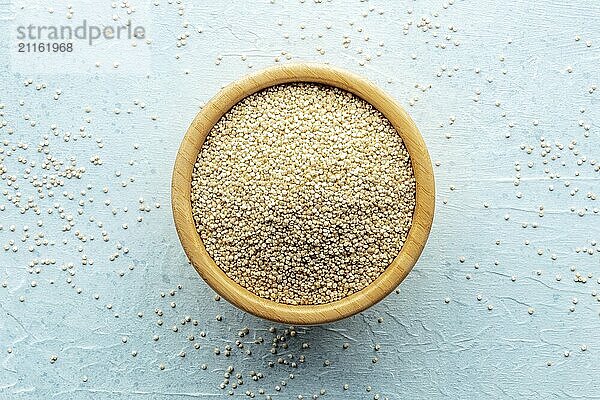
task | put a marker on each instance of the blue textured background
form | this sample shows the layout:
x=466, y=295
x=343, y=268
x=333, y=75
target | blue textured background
x=438, y=338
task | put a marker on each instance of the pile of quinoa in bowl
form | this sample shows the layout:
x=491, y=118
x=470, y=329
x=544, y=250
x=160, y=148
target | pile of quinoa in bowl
x=303, y=193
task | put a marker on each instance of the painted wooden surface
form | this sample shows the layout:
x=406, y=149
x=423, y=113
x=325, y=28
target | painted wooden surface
x=502, y=303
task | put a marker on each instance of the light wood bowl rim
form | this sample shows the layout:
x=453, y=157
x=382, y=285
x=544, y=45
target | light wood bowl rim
x=238, y=295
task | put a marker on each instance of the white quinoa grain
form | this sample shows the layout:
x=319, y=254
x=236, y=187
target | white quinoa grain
x=303, y=193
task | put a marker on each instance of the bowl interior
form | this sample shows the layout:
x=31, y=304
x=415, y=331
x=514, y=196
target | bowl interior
x=235, y=293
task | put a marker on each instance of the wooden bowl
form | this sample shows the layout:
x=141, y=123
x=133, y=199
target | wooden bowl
x=238, y=295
